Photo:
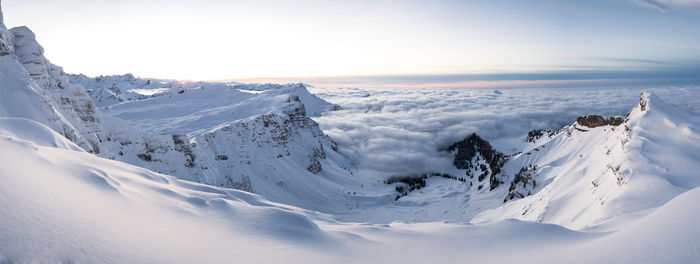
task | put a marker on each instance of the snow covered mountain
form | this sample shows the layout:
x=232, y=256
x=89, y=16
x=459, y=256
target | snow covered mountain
x=588, y=175
x=102, y=211
x=263, y=142
x=36, y=89
x=583, y=176
x=114, y=89
x=165, y=170
x=213, y=133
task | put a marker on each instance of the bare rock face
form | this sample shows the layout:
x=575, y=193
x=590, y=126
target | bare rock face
x=314, y=163
x=523, y=183
x=597, y=121
x=6, y=46
x=476, y=155
x=615, y=121
x=71, y=102
x=591, y=121
x=534, y=135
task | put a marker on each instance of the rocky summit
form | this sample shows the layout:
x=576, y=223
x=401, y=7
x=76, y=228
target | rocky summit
x=592, y=121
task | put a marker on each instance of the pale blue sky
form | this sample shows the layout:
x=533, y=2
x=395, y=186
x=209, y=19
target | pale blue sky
x=217, y=39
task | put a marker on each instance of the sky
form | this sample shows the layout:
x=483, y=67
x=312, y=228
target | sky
x=466, y=40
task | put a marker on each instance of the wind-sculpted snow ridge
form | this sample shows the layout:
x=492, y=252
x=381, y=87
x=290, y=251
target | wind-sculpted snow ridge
x=586, y=176
x=63, y=205
x=95, y=210
x=72, y=192
x=219, y=135
x=264, y=143
x=114, y=89
x=212, y=133
x=578, y=177
x=315, y=106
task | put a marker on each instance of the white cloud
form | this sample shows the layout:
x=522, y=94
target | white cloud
x=402, y=130
x=671, y=4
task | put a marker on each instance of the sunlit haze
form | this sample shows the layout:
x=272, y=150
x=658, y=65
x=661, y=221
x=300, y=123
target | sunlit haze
x=216, y=39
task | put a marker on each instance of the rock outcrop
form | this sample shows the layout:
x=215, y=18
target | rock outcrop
x=34, y=88
x=593, y=121
x=534, y=135
x=523, y=183
x=71, y=101
x=113, y=89
x=476, y=155
x=259, y=141
x=6, y=46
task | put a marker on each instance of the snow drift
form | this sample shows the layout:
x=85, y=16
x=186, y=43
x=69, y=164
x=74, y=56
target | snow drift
x=61, y=204
x=83, y=185
x=586, y=176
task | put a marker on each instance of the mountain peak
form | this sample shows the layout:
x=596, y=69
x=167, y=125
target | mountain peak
x=476, y=155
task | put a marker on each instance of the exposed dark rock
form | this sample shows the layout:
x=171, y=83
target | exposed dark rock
x=181, y=146
x=145, y=157
x=243, y=185
x=314, y=166
x=410, y=183
x=314, y=163
x=591, y=121
x=597, y=121
x=467, y=151
x=615, y=121
x=416, y=182
x=523, y=183
x=536, y=134
x=178, y=139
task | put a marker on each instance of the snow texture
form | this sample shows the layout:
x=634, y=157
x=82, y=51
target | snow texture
x=164, y=171
x=101, y=211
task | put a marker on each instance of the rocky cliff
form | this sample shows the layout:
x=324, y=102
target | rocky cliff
x=213, y=133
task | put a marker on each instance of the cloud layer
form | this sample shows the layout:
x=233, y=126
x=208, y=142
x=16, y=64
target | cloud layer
x=672, y=4
x=402, y=131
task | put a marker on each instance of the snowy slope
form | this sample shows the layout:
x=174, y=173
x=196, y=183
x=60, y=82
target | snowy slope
x=580, y=177
x=315, y=106
x=260, y=138
x=101, y=211
x=218, y=135
x=585, y=176
x=69, y=206
x=80, y=185
x=36, y=89
x=114, y=89
x=263, y=142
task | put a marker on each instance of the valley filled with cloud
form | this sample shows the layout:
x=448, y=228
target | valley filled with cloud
x=389, y=132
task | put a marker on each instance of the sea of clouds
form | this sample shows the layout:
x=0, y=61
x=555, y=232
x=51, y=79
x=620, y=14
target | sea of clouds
x=393, y=131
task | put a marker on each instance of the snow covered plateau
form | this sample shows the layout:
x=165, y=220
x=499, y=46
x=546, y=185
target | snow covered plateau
x=120, y=169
